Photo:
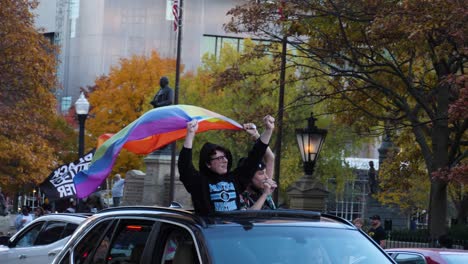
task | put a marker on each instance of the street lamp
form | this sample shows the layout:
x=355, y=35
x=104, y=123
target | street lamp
x=310, y=141
x=82, y=110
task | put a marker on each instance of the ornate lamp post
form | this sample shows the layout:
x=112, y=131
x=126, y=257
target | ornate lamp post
x=82, y=110
x=308, y=193
x=310, y=141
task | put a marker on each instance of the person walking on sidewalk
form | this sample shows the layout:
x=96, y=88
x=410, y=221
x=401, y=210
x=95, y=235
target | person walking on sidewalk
x=117, y=190
x=3, y=204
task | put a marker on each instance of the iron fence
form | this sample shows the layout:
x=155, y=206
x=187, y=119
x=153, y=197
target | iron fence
x=408, y=240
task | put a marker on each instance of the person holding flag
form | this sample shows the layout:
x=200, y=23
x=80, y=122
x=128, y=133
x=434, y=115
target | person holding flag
x=215, y=188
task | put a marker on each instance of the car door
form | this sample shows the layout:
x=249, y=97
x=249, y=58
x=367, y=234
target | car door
x=41, y=243
x=22, y=244
x=176, y=245
x=113, y=242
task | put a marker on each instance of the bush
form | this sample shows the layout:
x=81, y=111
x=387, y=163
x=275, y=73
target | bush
x=459, y=232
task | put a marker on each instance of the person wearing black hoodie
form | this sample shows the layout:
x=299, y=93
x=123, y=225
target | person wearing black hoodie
x=215, y=188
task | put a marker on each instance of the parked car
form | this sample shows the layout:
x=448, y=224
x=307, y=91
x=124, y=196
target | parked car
x=39, y=241
x=428, y=255
x=169, y=235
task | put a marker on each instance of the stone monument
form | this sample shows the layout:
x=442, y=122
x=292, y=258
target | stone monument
x=308, y=193
x=133, y=188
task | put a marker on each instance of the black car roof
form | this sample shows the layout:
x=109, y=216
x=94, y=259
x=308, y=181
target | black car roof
x=241, y=216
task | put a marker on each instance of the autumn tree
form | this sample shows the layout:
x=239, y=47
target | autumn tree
x=122, y=96
x=30, y=130
x=392, y=63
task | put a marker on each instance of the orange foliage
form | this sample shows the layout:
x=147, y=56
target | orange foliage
x=28, y=139
x=122, y=96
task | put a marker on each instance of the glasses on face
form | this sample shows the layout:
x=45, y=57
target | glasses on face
x=220, y=158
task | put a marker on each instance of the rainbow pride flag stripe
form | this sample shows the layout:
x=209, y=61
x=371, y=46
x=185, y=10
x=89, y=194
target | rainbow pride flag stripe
x=153, y=130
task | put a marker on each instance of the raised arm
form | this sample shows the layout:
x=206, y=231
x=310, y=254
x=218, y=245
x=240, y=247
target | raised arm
x=269, y=157
x=192, y=127
x=269, y=122
x=186, y=170
x=245, y=171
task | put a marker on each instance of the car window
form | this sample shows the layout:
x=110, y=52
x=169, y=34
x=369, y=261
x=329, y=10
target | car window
x=87, y=244
x=66, y=259
x=69, y=229
x=408, y=258
x=50, y=233
x=28, y=238
x=101, y=251
x=129, y=241
x=179, y=246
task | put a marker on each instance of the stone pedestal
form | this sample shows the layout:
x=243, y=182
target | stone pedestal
x=158, y=167
x=133, y=188
x=308, y=194
x=157, y=183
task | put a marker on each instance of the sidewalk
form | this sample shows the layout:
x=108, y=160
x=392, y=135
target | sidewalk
x=7, y=224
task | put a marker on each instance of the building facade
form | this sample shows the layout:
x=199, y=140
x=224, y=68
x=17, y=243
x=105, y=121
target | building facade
x=93, y=35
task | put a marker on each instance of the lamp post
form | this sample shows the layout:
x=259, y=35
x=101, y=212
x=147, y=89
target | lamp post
x=310, y=141
x=308, y=193
x=82, y=110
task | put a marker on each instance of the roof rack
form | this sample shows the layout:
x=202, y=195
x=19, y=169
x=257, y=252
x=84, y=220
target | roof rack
x=281, y=213
x=187, y=213
x=79, y=214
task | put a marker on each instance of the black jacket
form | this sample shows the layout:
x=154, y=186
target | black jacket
x=212, y=192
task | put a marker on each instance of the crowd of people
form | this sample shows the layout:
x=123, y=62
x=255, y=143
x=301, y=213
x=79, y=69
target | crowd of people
x=25, y=216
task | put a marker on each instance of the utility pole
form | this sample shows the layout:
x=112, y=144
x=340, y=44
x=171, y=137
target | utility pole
x=279, y=122
x=176, y=97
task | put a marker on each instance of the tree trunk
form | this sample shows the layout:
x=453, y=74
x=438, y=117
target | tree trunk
x=440, y=152
x=438, y=208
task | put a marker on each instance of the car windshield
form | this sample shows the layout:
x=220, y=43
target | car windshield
x=291, y=244
x=455, y=258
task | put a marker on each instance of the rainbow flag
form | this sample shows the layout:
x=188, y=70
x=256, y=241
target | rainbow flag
x=153, y=130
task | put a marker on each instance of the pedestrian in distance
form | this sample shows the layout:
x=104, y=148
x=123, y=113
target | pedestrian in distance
x=23, y=218
x=358, y=222
x=117, y=190
x=257, y=194
x=215, y=188
x=38, y=212
x=3, y=204
x=71, y=206
x=376, y=231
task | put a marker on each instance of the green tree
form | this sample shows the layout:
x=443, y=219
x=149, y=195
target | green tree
x=30, y=130
x=381, y=62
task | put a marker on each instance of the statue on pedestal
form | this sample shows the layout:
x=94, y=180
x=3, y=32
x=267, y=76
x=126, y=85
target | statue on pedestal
x=164, y=97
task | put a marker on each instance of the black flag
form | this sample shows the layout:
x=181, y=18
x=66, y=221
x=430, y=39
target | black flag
x=60, y=184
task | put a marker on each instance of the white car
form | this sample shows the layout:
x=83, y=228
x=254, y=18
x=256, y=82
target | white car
x=39, y=241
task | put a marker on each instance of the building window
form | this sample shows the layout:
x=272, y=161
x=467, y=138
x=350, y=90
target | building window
x=212, y=44
x=66, y=103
